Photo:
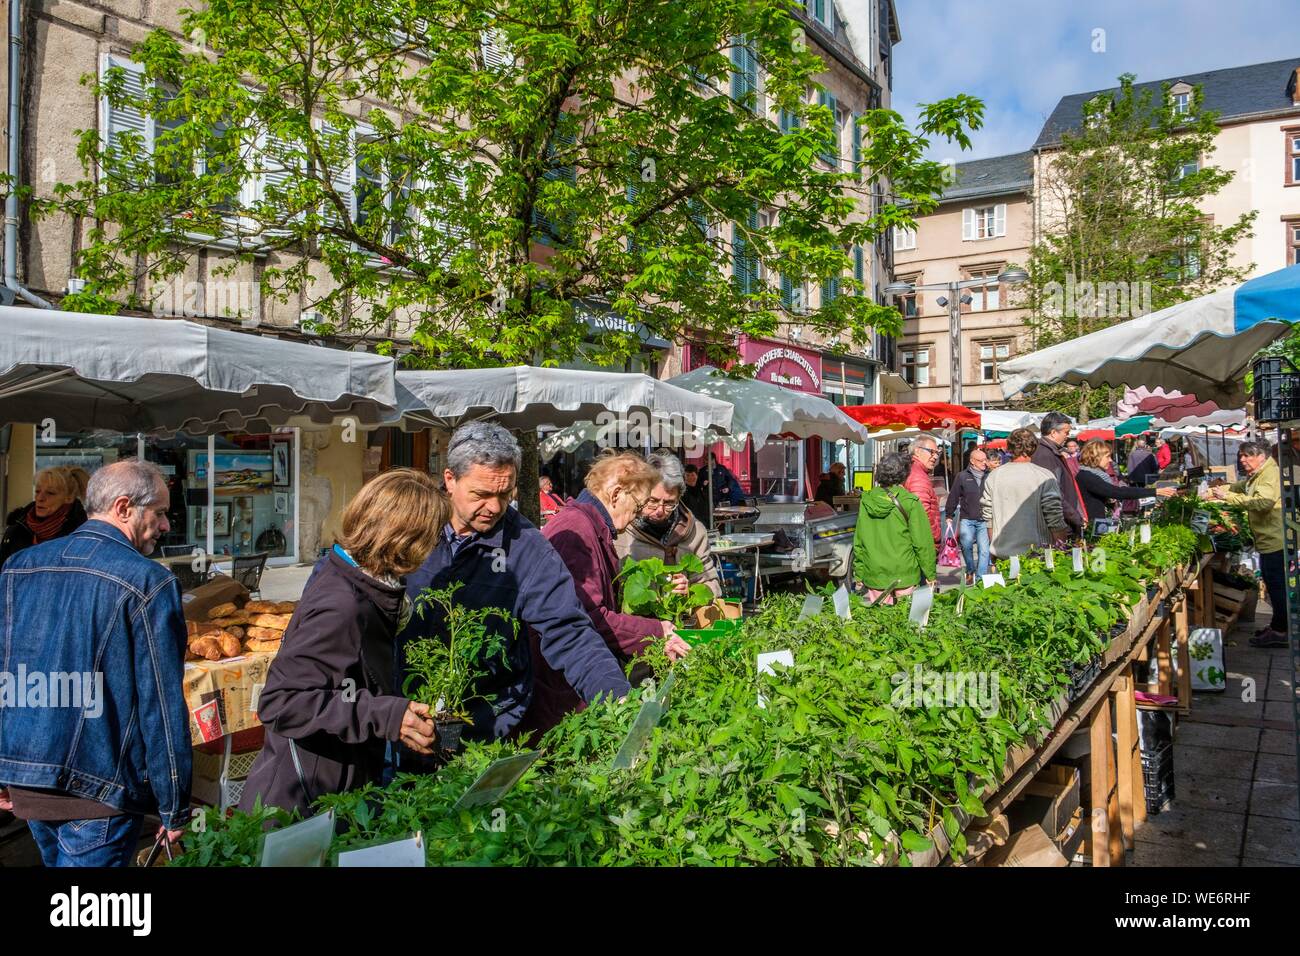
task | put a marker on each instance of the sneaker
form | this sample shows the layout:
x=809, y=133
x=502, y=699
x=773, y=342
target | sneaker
x=1270, y=638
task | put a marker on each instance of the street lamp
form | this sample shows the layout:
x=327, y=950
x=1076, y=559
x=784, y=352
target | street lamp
x=954, y=300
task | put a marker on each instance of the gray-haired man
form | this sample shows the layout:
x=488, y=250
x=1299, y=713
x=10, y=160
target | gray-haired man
x=504, y=561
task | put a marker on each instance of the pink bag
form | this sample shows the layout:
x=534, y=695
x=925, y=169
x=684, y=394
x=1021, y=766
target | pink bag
x=950, y=553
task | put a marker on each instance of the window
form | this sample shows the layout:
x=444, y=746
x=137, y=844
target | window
x=744, y=72
x=904, y=239
x=744, y=264
x=830, y=155
x=794, y=296
x=1292, y=156
x=495, y=50
x=992, y=354
x=550, y=229
x=916, y=366
x=986, y=298
x=823, y=11
x=1293, y=242
x=1188, y=168
x=984, y=222
x=1182, y=103
x=1185, y=260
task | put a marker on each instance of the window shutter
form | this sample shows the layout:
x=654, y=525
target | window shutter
x=550, y=228
x=126, y=119
x=493, y=47
x=455, y=232
x=967, y=224
x=1000, y=219
x=739, y=260
x=279, y=168
x=860, y=266
x=787, y=292
x=744, y=74
x=343, y=179
x=857, y=143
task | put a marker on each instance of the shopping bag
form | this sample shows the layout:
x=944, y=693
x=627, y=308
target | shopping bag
x=950, y=553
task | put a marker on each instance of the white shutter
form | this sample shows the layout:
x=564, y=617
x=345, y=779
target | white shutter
x=967, y=224
x=1000, y=219
x=343, y=178
x=495, y=50
x=454, y=231
x=126, y=119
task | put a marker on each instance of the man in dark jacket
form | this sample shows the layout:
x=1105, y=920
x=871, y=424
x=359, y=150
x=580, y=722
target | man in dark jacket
x=101, y=624
x=505, y=562
x=964, y=501
x=726, y=486
x=694, y=496
x=832, y=484
x=1055, y=430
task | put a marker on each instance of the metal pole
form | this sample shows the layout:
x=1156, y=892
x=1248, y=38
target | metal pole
x=954, y=335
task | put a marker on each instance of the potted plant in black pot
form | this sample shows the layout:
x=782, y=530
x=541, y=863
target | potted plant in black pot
x=442, y=670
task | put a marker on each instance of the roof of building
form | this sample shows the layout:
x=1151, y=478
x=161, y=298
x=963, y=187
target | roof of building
x=995, y=176
x=1233, y=93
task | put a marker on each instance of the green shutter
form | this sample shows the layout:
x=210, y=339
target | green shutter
x=787, y=292
x=831, y=154
x=859, y=265
x=857, y=143
x=548, y=228
x=744, y=74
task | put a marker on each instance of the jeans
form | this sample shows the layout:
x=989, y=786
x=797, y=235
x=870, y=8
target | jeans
x=1272, y=568
x=109, y=841
x=974, y=536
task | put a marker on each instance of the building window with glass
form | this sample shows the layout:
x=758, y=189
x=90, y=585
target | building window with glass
x=1293, y=242
x=986, y=298
x=904, y=239
x=1292, y=156
x=992, y=355
x=916, y=366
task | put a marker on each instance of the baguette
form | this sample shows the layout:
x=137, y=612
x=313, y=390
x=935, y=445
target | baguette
x=256, y=633
x=261, y=647
x=277, y=621
x=221, y=610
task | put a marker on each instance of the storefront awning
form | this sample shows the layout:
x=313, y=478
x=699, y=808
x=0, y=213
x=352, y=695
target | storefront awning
x=920, y=415
x=130, y=374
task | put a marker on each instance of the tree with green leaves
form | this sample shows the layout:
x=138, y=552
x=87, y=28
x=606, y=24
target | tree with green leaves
x=469, y=172
x=1122, y=231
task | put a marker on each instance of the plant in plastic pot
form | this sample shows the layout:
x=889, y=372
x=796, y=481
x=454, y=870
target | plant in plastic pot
x=648, y=589
x=442, y=670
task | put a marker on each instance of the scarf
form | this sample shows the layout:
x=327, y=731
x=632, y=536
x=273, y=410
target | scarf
x=43, y=529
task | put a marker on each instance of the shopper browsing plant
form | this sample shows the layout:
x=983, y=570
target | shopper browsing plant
x=651, y=589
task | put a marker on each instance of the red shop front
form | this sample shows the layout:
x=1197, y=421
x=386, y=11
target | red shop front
x=780, y=467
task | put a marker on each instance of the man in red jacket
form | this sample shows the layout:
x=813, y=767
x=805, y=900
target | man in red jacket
x=925, y=455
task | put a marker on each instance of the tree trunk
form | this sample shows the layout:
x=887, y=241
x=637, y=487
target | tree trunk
x=1084, y=396
x=529, y=501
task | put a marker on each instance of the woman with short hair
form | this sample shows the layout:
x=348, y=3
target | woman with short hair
x=331, y=703
x=666, y=529
x=53, y=513
x=893, y=549
x=1098, y=491
x=618, y=488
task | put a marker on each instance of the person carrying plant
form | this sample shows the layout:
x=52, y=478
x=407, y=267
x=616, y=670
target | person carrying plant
x=619, y=486
x=503, y=561
x=893, y=549
x=666, y=529
x=1022, y=501
x=331, y=703
x=1260, y=493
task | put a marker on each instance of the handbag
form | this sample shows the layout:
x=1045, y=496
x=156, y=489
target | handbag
x=950, y=553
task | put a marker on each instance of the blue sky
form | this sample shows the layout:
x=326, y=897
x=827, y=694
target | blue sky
x=1021, y=56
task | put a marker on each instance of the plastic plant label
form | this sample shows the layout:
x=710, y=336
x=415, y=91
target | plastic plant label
x=646, y=720
x=961, y=601
x=993, y=580
x=1132, y=536
x=1144, y=532
x=1014, y=570
x=922, y=601
x=1077, y=555
x=765, y=666
x=812, y=606
x=497, y=780
x=302, y=844
x=408, y=852
x=1049, y=556
x=841, y=601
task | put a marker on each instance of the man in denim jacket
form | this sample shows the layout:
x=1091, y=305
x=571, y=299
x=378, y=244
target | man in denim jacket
x=93, y=725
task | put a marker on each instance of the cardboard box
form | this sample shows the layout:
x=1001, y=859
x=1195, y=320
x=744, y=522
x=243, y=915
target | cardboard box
x=1049, y=800
x=1070, y=840
x=222, y=589
x=719, y=610
x=1029, y=847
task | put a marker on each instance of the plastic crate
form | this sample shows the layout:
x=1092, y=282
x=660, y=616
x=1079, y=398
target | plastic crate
x=210, y=787
x=1158, y=778
x=737, y=583
x=1277, y=390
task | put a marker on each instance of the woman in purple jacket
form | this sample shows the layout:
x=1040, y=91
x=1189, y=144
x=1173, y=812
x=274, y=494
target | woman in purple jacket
x=583, y=533
x=330, y=704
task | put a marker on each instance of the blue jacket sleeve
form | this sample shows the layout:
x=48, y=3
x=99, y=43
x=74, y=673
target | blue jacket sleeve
x=159, y=677
x=568, y=641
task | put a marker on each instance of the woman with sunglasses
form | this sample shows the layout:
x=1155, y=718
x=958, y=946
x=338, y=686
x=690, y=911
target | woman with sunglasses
x=617, y=489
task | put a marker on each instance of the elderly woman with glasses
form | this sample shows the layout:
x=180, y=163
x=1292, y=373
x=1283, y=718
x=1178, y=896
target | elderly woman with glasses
x=618, y=489
x=666, y=528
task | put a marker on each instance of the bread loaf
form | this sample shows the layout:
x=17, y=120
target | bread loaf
x=230, y=645
x=236, y=630
x=208, y=648
x=221, y=610
x=262, y=607
x=261, y=647
x=239, y=617
x=256, y=633
x=277, y=621
x=286, y=607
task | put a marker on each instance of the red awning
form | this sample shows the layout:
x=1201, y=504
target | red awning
x=923, y=415
x=1094, y=434
x=998, y=443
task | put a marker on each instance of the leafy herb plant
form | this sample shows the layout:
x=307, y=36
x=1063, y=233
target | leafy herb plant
x=648, y=589
x=442, y=672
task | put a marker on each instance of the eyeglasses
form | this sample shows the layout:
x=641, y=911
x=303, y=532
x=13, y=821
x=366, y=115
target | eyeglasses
x=929, y=451
x=660, y=504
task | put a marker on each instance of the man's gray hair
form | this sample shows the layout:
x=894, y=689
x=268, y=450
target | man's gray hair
x=482, y=443
x=137, y=481
x=671, y=474
x=923, y=437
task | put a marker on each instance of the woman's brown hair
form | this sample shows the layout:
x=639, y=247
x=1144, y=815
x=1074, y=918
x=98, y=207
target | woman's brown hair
x=626, y=469
x=394, y=522
x=1094, y=453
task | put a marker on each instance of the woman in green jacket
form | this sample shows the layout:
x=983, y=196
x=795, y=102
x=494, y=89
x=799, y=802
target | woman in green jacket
x=892, y=546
